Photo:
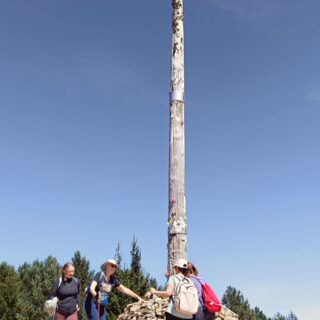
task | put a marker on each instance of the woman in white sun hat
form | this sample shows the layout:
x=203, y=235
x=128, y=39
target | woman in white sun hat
x=100, y=288
x=180, y=272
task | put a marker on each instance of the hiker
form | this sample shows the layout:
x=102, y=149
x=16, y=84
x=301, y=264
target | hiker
x=180, y=271
x=203, y=313
x=100, y=288
x=67, y=290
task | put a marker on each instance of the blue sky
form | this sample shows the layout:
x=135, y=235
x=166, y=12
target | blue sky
x=84, y=139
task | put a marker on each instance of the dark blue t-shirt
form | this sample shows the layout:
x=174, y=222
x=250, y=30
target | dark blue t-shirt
x=68, y=294
x=103, y=285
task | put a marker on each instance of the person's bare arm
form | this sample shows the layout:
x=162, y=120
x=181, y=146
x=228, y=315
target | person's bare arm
x=128, y=292
x=93, y=288
x=163, y=294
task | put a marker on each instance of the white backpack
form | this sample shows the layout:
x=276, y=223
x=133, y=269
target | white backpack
x=185, y=297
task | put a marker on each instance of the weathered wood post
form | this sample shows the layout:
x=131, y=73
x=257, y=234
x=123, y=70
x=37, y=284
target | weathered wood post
x=177, y=233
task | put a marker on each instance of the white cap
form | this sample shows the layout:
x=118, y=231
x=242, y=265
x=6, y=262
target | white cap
x=181, y=263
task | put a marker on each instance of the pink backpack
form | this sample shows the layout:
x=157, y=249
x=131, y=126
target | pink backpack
x=210, y=300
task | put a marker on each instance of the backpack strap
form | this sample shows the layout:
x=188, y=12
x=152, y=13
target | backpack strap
x=185, y=279
x=77, y=282
x=59, y=284
x=60, y=281
x=201, y=283
x=175, y=284
x=75, y=279
x=101, y=277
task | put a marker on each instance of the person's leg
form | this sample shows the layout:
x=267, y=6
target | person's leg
x=169, y=316
x=103, y=313
x=87, y=307
x=91, y=310
x=208, y=315
x=200, y=314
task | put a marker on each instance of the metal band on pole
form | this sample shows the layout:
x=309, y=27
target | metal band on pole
x=176, y=95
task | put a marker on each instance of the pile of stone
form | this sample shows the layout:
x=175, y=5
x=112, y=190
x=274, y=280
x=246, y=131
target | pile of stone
x=151, y=309
x=226, y=314
x=154, y=308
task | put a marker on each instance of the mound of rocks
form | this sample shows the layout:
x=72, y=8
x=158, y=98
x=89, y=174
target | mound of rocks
x=226, y=314
x=154, y=308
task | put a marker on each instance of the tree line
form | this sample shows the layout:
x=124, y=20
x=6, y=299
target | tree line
x=24, y=290
x=234, y=300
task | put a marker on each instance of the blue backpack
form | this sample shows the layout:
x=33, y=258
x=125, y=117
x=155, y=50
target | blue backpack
x=103, y=295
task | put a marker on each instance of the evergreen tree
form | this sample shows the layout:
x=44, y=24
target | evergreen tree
x=23, y=293
x=257, y=314
x=292, y=316
x=118, y=255
x=134, y=278
x=119, y=301
x=135, y=265
x=37, y=279
x=139, y=280
x=10, y=288
x=82, y=273
x=279, y=316
x=233, y=299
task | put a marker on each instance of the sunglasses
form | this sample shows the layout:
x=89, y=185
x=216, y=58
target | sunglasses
x=113, y=266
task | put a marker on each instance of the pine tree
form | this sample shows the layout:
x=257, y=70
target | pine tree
x=234, y=300
x=292, y=316
x=118, y=255
x=118, y=301
x=279, y=316
x=10, y=288
x=37, y=279
x=257, y=314
x=139, y=280
x=82, y=273
x=134, y=278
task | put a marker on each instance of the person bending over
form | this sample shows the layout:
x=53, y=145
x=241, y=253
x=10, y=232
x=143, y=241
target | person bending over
x=100, y=288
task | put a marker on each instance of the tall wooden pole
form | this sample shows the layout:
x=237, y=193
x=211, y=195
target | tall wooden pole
x=177, y=233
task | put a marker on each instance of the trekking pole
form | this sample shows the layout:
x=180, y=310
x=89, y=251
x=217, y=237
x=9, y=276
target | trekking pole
x=84, y=307
x=98, y=310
